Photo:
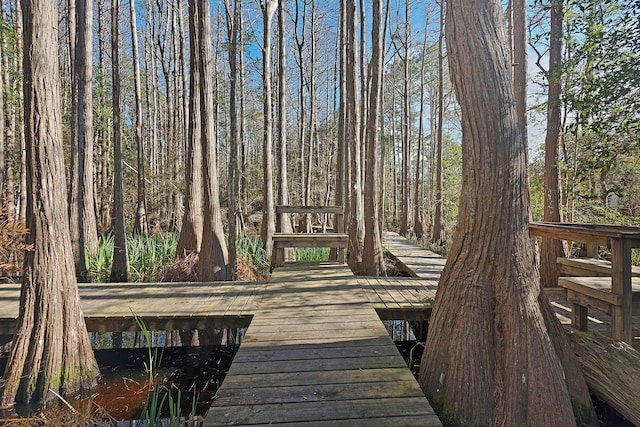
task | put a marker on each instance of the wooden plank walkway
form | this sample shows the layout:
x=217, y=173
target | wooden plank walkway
x=162, y=306
x=416, y=260
x=316, y=353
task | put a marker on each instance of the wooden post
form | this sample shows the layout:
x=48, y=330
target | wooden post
x=621, y=285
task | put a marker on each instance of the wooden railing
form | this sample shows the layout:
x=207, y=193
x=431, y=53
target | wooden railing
x=616, y=292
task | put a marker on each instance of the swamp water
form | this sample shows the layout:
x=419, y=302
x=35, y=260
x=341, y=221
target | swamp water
x=184, y=380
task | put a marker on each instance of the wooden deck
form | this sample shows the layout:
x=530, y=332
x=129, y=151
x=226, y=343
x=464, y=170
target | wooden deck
x=316, y=353
x=162, y=306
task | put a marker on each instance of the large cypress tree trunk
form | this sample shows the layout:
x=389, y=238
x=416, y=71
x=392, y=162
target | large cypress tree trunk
x=372, y=259
x=489, y=359
x=190, y=239
x=212, y=264
x=51, y=347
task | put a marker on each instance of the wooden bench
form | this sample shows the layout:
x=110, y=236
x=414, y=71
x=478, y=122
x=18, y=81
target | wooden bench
x=596, y=292
x=616, y=290
x=338, y=239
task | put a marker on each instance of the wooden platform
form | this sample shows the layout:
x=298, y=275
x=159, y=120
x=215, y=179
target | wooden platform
x=316, y=353
x=400, y=298
x=162, y=306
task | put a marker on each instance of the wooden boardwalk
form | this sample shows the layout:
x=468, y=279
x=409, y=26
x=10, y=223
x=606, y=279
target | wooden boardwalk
x=162, y=306
x=316, y=353
x=416, y=260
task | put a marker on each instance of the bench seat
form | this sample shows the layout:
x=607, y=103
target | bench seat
x=595, y=292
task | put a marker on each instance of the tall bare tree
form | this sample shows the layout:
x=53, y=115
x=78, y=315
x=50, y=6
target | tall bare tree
x=352, y=134
x=232, y=12
x=84, y=230
x=190, y=240
x=437, y=234
x=283, y=224
x=488, y=293
x=552, y=249
x=372, y=259
x=51, y=348
x=212, y=264
x=268, y=217
x=141, y=225
x=120, y=264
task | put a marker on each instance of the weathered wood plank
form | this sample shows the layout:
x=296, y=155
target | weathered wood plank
x=310, y=240
x=352, y=410
x=318, y=392
x=320, y=352
x=346, y=376
x=404, y=421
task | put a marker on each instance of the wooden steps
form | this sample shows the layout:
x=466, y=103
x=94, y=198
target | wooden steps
x=316, y=353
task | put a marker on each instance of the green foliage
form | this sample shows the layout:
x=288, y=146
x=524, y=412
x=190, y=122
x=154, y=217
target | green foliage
x=148, y=255
x=252, y=249
x=311, y=254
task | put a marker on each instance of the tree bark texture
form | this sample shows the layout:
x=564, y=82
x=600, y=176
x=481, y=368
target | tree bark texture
x=283, y=223
x=84, y=231
x=212, y=264
x=437, y=234
x=372, y=258
x=141, y=225
x=551, y=248
x=489, y=359
x=232, y=15
x=120, y=264
x=269, y=211
x=190, y=239
x=51, y=347
x=352, y=127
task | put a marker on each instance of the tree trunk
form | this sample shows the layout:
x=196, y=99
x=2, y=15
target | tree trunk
x=406, y=133
x=437, y=234
x=372, y=259
x=51, y=347
x=232, y=14
x=356, y=221
x=141, y=225
x=489, y=359
x=212, y=264
x=268, y=218
x=551, y=248
x=120, y=264
x=190, y=240
x=283, y=224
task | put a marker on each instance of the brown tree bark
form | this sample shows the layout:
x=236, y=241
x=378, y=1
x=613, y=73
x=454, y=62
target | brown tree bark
x=51, y=347
x=437, y=233
x=551, y=248
x=190, y=240
x=283, y=223
x=352, y=128
x=372, y=258
x=406, y=131
x=268, y=215
x=489, y=359
x=233, y=17
x=212, y=264
x=120, y=264
x=141, y=225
